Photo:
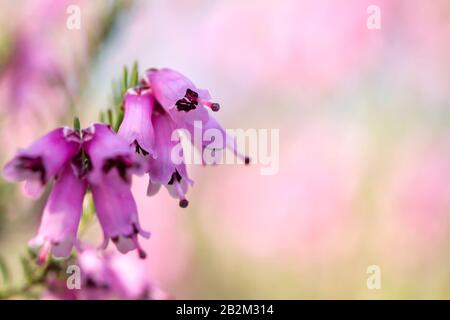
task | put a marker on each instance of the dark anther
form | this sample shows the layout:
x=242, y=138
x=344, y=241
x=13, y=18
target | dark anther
x=191, y=95
x=142, y=254
x=215, y=107
x=183, y=203
x=139, y=149
x=189, y=101
x=247, y=160
x=176, y=176
x=115, y=239
x=185, y=105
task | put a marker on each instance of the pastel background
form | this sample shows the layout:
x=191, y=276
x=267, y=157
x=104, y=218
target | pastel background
x=364, y=120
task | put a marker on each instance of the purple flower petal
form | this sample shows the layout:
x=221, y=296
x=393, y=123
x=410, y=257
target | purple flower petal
x=109, y=152
x=43, y=159
x=136, y=127
x=62, y=214
x=117, y=213
x=163, y=170
x=179, y=96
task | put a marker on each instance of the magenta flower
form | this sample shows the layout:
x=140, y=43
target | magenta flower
x=107, y=276
x=37, y=164
x=162, y=169
x=114, y=203
x=106, y=151
x=179, y=96
x=117, y=213
x=148, y=128
x=62, y=213
x=136, y=127
x=101, y=160
x=167, y=101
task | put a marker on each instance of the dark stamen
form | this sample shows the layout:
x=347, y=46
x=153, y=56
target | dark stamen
x=176, y=176
x=183, y=203
x=185, y=105
x=142, y=254
x=189, y=101
x=191, y=95
x=139, y=149
x=215, y=107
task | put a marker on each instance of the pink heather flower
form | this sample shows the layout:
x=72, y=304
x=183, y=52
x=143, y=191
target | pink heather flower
x=97, y=279
x=130, y=277
x=162, y=170
x=107, y=276
x=144, y=116
x=62, y=213
x=136, y=127
x=37, y=164
x=101, y=160
x=117, y=213
x=167, y=101
x=179, y=96
x=106, y=150
x=114, y=203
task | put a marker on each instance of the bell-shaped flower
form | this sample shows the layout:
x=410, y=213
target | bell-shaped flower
x=136, y=127
x=107, y=275
x=41, y=161
x=59, y=224
x=107, y=151
x=179, y=96
x=117, y=213
x=168, y=168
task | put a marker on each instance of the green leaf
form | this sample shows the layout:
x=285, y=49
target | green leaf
x=134, y=75
x=76, y=124
x=119, y=119
x=110, y=117
x=125, y=79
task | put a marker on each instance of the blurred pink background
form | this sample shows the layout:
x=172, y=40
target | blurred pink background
x=364, y=175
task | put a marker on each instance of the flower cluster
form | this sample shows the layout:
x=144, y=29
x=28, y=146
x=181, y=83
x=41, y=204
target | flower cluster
x=101, y=161
x=94, y=158
x=166, y=101
x=104, y=276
